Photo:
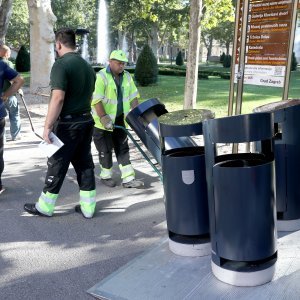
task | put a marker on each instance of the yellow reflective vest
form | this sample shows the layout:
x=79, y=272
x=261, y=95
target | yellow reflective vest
x=106, y=92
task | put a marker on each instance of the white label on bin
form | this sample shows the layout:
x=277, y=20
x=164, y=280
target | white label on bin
x=188, y=176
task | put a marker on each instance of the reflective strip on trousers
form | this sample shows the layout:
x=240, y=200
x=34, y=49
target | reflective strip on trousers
x=88, y=202
x=127, y=173
x=105, y=173
x=46, y=203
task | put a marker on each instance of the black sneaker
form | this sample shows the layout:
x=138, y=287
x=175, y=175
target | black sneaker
x=31, y=209
x=108, y=182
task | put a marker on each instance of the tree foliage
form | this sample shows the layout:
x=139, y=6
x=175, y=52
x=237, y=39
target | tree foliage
x=146, y=69
x=77, y=14
x=18, y=32
x=217, y=23
x=146, y=19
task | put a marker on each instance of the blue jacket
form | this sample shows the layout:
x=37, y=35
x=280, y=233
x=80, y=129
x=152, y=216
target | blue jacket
x=6, y=73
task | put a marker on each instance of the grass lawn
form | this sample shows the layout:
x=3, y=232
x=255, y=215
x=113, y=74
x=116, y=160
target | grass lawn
x=26, y=76
x=213, y=93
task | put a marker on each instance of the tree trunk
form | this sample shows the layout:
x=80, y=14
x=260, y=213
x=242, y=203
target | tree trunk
x=5, y=13
x=131, y=48
x=42, y=38
x=154, y=39
x=191, y=81
x=209, y=46
x=227, y=47
x=120, y=39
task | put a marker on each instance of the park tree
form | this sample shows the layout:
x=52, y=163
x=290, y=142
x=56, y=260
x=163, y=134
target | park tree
x=77, y=14
x=191, y=80
x=5, y=13
x=224, y=33
x=151, y=21
x=217, y=23
x=42, y=21
x=18, y=31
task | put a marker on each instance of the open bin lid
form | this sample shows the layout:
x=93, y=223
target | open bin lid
x=187, y=122
x=278, y=108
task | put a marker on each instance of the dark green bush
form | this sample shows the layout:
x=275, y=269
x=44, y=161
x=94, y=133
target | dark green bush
x=227, y=61
x=23, y=60
x=146, y=69
x=225, y=75
x=179, y=59
x=222, y=57
x=294, y=62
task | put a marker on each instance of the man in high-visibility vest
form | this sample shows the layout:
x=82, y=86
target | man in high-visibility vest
x=115, y=94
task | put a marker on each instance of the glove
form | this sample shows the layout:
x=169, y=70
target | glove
x=106, y=121
x=20, y=91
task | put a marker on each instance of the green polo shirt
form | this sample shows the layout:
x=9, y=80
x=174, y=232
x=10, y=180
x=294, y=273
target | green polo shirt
x=73, y=75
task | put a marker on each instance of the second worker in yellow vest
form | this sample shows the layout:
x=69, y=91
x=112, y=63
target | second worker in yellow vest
x=114, y=96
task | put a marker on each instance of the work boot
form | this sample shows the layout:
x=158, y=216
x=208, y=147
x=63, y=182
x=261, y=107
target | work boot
x=31, y=209
x=78, y=210
x=133, y=184
x=108, y=182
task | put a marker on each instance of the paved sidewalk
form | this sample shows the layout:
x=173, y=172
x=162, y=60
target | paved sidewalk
x=63, y=256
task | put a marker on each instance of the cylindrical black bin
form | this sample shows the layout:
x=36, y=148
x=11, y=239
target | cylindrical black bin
x=185, y=184
x=287, y=161
x=241, y=197
x=143, y=120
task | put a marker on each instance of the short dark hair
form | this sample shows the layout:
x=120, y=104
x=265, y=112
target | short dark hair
x=66, y=36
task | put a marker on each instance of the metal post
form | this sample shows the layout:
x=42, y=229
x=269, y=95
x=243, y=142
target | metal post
x=241, y=65
x=232, y=73
x=241, y=69
x=290, y=53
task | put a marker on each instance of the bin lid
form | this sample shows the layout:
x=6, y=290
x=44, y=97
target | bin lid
x=184, y=122
x=186, y=117
x=274, y=106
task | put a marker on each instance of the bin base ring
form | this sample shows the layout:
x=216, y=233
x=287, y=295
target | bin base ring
x=288, y=225
x=243, y=278
x=190, y=249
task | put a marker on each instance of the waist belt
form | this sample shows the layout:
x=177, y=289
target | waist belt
x=73, y=116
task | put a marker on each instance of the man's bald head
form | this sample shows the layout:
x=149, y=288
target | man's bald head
x=5, y=51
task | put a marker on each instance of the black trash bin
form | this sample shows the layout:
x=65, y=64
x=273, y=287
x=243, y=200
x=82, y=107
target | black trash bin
x=143, y=120
x=185, y=184
x=241, y=200
x=287, y=161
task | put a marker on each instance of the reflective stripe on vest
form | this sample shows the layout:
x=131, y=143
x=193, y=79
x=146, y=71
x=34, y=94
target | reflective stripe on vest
x=105, y=173
x=46, y=203
x=127, y=173
x=88, y=202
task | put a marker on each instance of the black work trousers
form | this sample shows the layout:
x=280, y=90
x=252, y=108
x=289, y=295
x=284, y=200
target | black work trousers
x=107, y=141
x=76, y=134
